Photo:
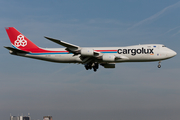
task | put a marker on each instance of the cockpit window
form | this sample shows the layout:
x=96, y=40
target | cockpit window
x=163, y=46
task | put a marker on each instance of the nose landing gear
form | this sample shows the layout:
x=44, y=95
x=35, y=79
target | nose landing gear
x=159, y=64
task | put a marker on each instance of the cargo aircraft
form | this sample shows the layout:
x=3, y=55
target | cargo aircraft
x=90, y=57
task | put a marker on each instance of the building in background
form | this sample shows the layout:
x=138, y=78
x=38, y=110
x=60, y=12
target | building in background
x=47, y=118
x=26, y=118
x=20, y=117
x=14, y=118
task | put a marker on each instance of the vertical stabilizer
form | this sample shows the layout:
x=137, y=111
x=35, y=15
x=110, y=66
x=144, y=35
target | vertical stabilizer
x=19, y=41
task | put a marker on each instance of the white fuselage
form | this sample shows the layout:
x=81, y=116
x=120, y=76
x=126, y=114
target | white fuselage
x=136, y=53
x=90, y=57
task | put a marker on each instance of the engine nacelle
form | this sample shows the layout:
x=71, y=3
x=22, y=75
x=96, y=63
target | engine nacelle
x=87, y=52
x=108, y=58
x=109, y=65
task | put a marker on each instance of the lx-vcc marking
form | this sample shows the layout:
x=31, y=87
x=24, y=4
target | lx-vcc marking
x=90, y=57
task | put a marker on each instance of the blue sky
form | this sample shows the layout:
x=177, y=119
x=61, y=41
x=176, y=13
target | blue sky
x=67, y=91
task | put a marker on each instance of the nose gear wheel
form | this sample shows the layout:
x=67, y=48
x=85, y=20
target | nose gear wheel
x=159, y=64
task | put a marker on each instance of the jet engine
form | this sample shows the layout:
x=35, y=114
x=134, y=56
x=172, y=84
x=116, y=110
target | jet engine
x=108, y=58
x=87, y=52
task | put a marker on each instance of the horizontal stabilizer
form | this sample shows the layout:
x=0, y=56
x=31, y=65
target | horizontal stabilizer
x=15, y=50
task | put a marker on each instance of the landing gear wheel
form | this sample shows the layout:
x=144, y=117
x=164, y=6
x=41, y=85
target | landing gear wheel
x=86, y=67
x=159, y=66
x=90, y=66
x=94, y=69
x=96, y=65
x=93, y=66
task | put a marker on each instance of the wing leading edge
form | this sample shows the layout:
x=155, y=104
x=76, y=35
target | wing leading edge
x=69, y=47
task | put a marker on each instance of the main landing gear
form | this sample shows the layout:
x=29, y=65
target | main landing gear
x=159, y=64
x=95, y=66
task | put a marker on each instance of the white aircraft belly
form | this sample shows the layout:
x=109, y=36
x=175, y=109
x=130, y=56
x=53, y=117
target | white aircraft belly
x=61, y=58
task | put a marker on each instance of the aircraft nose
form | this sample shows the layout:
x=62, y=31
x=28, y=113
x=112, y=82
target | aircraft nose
x=172, y=53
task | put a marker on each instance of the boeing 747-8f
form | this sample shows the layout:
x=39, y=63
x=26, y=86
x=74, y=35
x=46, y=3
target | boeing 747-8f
x=90, y=57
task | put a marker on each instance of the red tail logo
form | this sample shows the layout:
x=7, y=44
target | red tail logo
x=20, y=41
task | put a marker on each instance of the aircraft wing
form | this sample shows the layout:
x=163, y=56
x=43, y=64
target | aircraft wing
x=70, y=47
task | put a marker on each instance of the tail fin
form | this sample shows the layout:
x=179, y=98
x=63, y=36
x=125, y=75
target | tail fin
x=19, y=41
